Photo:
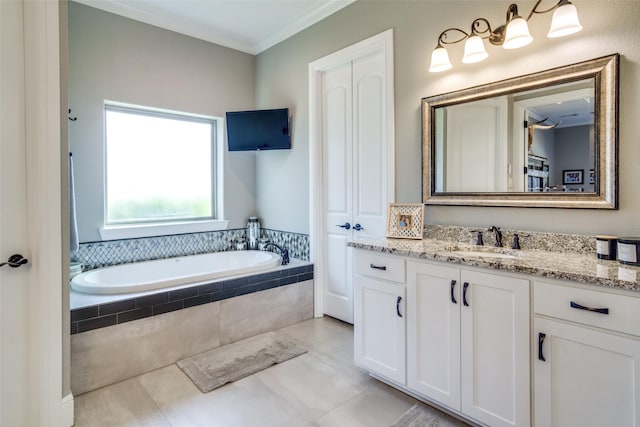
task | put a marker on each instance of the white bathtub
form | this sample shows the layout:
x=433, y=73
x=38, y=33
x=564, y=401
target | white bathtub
x=164, y=273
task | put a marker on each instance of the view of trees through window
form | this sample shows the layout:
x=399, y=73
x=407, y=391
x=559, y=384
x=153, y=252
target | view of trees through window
x=159, y=167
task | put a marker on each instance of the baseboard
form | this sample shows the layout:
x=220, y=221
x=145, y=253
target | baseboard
x=66, y=411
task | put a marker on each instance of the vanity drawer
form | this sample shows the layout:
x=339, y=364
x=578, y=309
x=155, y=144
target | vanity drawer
x=618, y=312
x=379, y=266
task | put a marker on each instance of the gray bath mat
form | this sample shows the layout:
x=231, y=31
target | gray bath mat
x=234, y=361
x=425, y=416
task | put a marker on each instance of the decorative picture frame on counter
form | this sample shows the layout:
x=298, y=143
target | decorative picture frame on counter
x=572, y=176
x=405, y=220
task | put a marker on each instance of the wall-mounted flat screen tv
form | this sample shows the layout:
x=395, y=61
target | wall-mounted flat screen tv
x=258, y=130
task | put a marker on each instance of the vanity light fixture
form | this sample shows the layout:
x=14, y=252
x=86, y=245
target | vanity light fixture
x=512, y=35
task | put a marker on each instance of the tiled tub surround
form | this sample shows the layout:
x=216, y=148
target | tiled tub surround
x=576, y=263
x=107, y=355
x=90, y=312
x=112, y=252
x=115, y=337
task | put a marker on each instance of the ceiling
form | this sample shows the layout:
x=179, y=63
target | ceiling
x=578, y=112
x=250, y=26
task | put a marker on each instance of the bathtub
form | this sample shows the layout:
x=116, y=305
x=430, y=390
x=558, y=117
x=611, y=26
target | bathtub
x=164, y=273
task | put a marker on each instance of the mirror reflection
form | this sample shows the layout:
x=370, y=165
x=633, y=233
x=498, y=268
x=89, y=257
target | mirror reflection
x=546, y=139
x=540, y=140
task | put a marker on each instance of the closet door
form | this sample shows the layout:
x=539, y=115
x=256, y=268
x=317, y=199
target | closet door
x=351, y=162
x=354, y=127
x=369, y=165
x=338, y=196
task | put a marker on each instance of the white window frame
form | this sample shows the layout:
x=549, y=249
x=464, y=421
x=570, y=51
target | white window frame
x=161, y=228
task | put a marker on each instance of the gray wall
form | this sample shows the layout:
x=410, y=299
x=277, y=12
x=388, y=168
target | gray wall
x=573, y=152
x=117, y=59
x=609, y=27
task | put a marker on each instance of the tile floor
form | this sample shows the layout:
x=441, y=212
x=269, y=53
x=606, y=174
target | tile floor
x=319, y=389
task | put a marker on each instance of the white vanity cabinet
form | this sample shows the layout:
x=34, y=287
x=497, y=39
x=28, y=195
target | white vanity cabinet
x=468, y=341
x=379, y=315
x=586, y=357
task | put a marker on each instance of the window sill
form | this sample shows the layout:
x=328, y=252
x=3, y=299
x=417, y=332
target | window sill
x=117, y=232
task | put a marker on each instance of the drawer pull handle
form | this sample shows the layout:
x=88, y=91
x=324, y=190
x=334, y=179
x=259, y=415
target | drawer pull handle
x=378, y=267
x=398, y=306
x=464, y=294
x=595, y=310
x=453, y=296
x=541, y=338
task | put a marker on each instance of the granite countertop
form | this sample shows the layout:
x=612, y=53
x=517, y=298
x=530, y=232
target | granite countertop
x=573, y=266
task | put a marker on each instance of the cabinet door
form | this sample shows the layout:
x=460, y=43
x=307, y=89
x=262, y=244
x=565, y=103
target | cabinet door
x=495, y=349
x=588, y=377
x=379, y=328
x=433, y=332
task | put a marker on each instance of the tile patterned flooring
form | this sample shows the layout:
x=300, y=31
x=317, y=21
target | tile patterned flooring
x=319, y=389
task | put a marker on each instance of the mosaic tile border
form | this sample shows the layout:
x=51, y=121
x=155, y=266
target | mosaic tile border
x=298, y=244
x=112, y=252
x=100, y=316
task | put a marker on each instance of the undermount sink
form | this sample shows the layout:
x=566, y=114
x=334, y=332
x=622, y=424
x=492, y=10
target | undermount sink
x=484, y=252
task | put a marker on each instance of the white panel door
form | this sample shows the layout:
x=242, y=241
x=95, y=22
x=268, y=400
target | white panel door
x=338, y=196
x=369, y=164
x=14, y=308
x=379, y=328
x=494, y=349
x=476, y=148
x=355, y=146
x=584, y=377
x=433, y=332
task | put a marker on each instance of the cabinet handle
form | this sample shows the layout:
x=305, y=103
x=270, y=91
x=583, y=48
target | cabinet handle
x=398, y=306
x=453, y=296
x=378, y=267
x=541, y=338
x=464, y=294
x=595, y=310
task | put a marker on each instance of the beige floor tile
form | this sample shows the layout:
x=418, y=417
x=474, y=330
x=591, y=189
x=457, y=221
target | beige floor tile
x=245, y=403
x=378, y=406
x=322, y=388
x=313, y=387
x=331, y=339
x=126, y=403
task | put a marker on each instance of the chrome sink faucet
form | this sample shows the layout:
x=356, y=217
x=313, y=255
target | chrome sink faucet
x=498, y=235
x=284, y=252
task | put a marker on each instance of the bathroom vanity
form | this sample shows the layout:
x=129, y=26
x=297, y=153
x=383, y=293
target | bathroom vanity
x=501, y=337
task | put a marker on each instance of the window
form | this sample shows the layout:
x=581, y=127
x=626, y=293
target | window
x=159, y=166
